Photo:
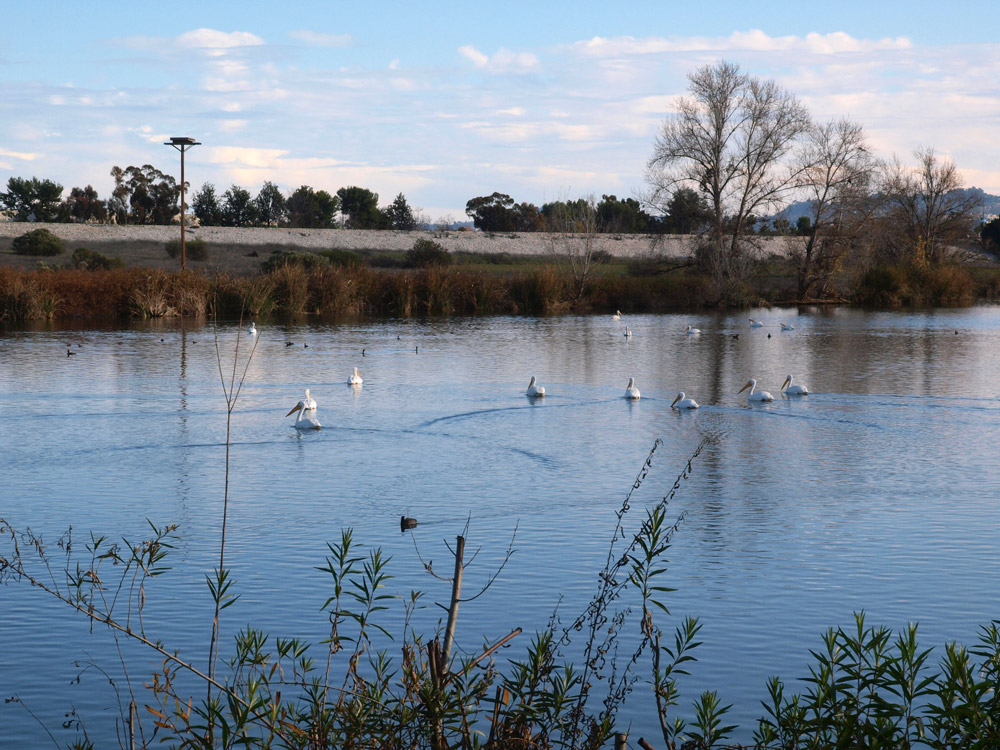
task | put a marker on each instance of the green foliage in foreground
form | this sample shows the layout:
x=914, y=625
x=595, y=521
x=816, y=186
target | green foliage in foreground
x=37, y=242
x=867, y=687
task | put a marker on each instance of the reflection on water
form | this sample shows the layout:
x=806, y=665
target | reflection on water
x=877, y=491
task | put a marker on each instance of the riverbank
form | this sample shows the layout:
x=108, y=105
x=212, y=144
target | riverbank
x=239, y=250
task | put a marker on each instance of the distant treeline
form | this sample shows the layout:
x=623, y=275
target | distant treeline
x=145, y=195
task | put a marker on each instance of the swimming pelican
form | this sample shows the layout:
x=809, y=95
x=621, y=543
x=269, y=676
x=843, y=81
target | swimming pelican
x=307, y=403
x=793, y=390
x=535, y=390
x=755, y=395
x=617, y=315
x=628, y=332
x=692, y=331
x=631, y=392
x=683, y=403
x=252, y=330
x=755, y=323
x=355, y=379
x=305, y=422
x=786, y=327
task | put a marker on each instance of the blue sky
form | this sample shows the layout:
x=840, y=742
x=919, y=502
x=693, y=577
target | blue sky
x=445, y=101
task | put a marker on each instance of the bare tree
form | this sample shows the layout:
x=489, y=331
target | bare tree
x=728, y=140
x=573, y=231
x=836, y=170
x=929, y=210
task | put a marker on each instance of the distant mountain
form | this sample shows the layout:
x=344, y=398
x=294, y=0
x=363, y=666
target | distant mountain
x=991, y=206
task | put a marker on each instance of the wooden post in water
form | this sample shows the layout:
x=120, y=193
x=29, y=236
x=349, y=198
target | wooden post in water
x=456, y=592
x=621, y=742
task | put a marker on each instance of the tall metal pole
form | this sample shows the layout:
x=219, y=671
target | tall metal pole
x=182, y=144
x=183, y=245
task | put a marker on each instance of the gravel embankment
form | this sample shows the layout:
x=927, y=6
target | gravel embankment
x=240, y=250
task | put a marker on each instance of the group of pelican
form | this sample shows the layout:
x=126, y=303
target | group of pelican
x=306, y=408
x=631, y=393
x=790, y=388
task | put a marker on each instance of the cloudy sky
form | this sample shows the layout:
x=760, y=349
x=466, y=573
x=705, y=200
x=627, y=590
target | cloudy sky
x=447, y=101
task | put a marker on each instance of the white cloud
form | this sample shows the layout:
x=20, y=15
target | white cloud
x=231, y=126
x=23, y=155
x=503, y=61
x=317, y=39
x=752, y=40
x=214, y=42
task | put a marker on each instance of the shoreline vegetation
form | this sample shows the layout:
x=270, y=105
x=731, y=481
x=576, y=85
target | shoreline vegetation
x=79, y=272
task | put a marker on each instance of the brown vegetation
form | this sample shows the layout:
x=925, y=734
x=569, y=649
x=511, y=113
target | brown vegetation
x=532, y=288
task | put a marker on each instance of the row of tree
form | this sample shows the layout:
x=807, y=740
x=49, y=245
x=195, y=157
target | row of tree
x=145, y=195
x=684, y=213
x=748, y=148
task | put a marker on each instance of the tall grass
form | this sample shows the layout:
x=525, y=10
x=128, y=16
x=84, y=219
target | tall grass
x=353, y=289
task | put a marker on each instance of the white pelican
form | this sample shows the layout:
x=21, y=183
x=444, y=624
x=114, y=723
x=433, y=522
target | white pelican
x=307, y=403
x=793, y=390
x=631, y=392
x=683, y=403
x=252, y=330
x=755, y=395
x=305, y=422
x=628, y=332
x=786, y=327
x=617, y=315
x=692, y=331
x=755, y=323
x=356, y=378
x=535, y=390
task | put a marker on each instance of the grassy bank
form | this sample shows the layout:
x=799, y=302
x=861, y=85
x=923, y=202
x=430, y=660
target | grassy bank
x=346, y=284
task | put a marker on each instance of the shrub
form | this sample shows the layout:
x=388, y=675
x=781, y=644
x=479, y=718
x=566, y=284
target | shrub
x=337, y=257
x=89, y=260
x=306, y=261
x=196, y=249
x=882, y=286
x=37, y=242
x=427, y=253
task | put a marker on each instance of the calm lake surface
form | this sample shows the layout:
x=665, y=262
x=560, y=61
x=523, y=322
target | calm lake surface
x=877, y=492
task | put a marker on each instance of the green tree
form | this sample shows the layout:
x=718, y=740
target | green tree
x=687, y=212
x=399, y=215
x=499, y=213
x=32, y=200
x=83, y=204
x=623, y=216
x=238, y=208
x=360, y=205
x=308, y=208
x=271, y=205
x=205, y=205
x=147, y=195
x=989, y=233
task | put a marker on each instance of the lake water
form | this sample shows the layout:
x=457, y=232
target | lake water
x=877, y=492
